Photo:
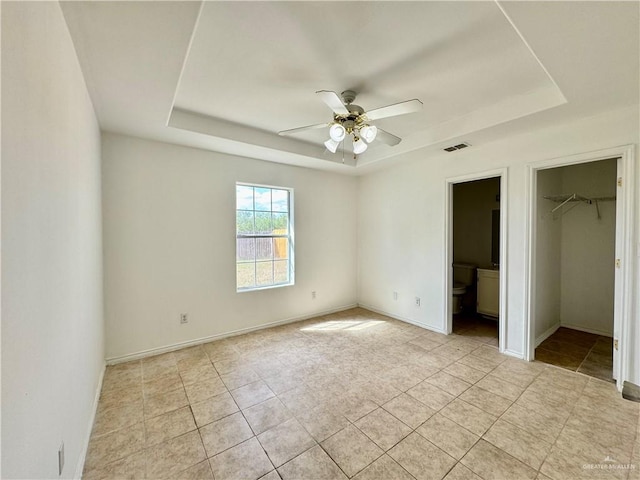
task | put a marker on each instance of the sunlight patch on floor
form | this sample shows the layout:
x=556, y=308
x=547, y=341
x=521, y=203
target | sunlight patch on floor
x=343, y=325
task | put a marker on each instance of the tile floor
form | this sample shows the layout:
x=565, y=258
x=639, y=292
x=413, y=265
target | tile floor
x=579, y=351
x=357, y=395
x=477, y=327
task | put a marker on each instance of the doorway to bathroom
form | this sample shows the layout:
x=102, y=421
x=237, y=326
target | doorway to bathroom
x=475, y=257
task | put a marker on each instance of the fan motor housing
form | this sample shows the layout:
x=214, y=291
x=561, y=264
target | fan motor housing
x=348, y=96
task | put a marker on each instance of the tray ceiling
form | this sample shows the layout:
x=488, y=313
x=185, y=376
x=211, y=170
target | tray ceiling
x=227, y=76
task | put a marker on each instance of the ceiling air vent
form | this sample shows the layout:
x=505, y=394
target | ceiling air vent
x=459, y=146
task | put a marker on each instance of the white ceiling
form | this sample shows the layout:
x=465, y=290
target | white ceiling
x=227, y=76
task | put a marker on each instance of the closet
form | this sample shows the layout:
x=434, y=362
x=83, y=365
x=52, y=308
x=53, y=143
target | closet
x=575, y=266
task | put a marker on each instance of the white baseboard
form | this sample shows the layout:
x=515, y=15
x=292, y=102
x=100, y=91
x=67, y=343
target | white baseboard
x=588, y=330
x=94, y=410
x=199, y=341
x=547, y=333
x=511, y=353
x=402, y=319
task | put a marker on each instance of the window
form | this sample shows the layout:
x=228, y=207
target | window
x=264, y=239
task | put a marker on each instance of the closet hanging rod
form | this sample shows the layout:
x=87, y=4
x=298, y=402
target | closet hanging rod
x=569, y=199
x=574, y=197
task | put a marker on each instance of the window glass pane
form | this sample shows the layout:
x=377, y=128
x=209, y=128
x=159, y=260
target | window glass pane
x=244, y=222
x=263, y=199
x=264, y=273
x=264, y=248
x=244, y=197
x=245, y=275
x=245, y=249
x=263, y=212
x=280, y=200
x=263, y=223
x=280, y=223
x=280, y=248
x=281, y=271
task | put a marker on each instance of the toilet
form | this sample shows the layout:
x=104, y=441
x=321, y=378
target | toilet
x=464, y=275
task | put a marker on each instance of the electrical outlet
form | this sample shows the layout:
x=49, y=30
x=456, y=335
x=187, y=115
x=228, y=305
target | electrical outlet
x=417, y=301
x=313, y=295
x=60, y=459
x=395, y=295
x=184, y=318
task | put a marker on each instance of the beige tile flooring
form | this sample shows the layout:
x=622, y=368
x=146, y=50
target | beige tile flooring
x=357, y=395
x=579, y=351
x=475, y=326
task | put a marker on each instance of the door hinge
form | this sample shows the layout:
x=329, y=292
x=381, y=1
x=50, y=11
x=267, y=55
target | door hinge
x=619, y=181
x=615, y=344
x=618, y=263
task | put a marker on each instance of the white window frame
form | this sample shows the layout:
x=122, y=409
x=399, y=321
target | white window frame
x=289, y=236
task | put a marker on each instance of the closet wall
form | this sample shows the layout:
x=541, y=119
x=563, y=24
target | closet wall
x=575, y=250
x=588, y=249
x=548, y=244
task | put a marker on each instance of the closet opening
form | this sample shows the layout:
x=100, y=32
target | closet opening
x=574, y=260
x=474, y=258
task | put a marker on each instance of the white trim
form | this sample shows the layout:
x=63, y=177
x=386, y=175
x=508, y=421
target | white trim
x=580, y=328
x=447, y=268
x=402, y=319
x=184, y=61
x=94, y=411
x=448, y=258
x=504, y=270
x=625, y=251
x=290, y=236
x=526, y=44
x=531, y=186
x=219, y=336
x=547, y=333
x=625, y=240
x=512, y=353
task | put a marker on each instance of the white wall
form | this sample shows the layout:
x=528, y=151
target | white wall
x=547, y=255
x=588, y=249
x=169, y=234
x=52, y=321
x=402, y=216
x=473, y=205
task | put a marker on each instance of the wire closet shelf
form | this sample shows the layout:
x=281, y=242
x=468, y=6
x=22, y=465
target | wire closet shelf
x=574, y=197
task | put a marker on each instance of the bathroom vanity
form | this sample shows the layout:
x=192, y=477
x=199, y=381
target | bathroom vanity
x=488, y=292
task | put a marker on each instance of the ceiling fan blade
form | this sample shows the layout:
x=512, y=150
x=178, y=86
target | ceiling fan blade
x=303, y=129
x=388, y=138
x=401, y=108
x=333, y=101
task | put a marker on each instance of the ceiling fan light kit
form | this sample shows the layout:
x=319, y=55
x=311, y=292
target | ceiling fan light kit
x=351, y=119
x=368, y=133
x=358, y=146
x=337, y=132
x=331, y=145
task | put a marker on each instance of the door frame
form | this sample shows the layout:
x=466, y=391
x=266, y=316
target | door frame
x=448, y=257
x=625, y=240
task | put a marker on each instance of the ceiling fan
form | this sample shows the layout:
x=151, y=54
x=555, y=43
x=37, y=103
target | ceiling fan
x=350, y=119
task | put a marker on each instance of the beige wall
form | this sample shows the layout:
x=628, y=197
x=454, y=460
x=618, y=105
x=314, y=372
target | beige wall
x=548, y=249
x=52, y=311
x=588, y=249
x=402, y=213
x=575, y=250
x=169, y=243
